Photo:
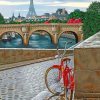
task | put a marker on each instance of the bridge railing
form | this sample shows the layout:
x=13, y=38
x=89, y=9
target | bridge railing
x=40, y=24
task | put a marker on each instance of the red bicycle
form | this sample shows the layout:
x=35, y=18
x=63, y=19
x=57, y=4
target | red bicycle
x=59, y=79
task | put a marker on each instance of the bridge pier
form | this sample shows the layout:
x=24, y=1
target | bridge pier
x=55, y=38
x=80, y=36
x=25, y=39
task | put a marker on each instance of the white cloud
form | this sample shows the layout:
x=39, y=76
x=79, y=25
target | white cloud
x=95, y=0
x=13, y=3
x=72, y=4
x=16, y=3
x=44, y=2
x=19, y=10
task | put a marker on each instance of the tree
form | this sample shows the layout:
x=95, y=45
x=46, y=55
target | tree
x=77, y=14
x=94, y=6
x=91, y=24
x=2, y=21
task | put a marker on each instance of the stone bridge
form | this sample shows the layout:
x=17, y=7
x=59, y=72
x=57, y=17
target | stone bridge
x=54, y=30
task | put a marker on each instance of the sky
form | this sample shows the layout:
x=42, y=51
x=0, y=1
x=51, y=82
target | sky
x=8, y=7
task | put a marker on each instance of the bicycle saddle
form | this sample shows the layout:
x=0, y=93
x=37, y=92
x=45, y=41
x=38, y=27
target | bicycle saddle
x=66, y=59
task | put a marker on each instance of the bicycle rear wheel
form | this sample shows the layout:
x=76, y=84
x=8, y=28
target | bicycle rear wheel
x=52, y=81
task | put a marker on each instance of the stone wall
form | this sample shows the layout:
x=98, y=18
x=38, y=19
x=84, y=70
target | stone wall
x=10, y=56
x=87, y=69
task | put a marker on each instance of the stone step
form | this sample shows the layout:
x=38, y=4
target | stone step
x=45, y=94
x=42, y=96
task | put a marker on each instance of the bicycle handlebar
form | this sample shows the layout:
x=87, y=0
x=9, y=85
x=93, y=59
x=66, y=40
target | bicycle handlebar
x=64, y=52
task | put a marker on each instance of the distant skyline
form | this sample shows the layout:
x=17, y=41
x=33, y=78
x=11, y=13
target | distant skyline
x=8, y=7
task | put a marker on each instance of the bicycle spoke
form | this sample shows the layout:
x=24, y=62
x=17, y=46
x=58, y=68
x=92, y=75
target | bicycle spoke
x=53, y=82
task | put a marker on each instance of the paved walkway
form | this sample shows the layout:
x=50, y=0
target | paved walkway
x=24, y=83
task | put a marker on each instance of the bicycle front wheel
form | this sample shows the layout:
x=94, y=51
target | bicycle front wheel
x=53, y=82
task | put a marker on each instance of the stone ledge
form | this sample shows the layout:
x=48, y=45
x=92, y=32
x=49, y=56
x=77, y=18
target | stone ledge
x=23, y=63
x=9, y=56
x=28, y=62
x=81, y=95
x=88, y=99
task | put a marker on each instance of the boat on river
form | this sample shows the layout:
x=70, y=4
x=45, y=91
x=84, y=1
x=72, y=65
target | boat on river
x=6, y=38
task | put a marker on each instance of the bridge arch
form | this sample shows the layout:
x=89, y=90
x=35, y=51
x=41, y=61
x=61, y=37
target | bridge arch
x=69, y=32
x=67, y=36
x=40, y=30
x=41, y=37
x=1, y=34
x=12, y=32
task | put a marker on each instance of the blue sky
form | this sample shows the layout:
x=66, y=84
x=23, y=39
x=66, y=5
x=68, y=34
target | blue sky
x=8, y=7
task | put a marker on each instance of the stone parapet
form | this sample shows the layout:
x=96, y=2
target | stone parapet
x=25, y=56
x=87, y=69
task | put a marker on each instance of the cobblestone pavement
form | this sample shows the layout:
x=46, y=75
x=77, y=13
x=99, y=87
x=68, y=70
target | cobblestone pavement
x=23, y=83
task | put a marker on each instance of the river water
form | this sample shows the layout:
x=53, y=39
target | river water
x=36, y=41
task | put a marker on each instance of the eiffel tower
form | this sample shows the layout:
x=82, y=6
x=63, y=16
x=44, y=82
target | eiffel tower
x=31, y=12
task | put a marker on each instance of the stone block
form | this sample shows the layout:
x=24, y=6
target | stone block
x=87, y=81
x=87, y=58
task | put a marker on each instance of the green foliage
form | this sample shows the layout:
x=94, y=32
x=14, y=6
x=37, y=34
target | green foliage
x=64, y=21
x=77, y=14
x=92, y=20
x=94, y=6
x=23, y=22
x=55, y=21
x=13, y=22
x=2, y=21
x=42, y=21
x=31, y=22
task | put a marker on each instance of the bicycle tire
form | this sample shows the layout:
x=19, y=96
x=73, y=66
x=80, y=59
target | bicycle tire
x=68, y=97
x=53, y=91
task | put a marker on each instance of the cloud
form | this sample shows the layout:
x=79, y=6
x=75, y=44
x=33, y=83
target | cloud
x=71, y=4
x=17, y=3
x=58, y=3
x=4, y=3
x=19, y=10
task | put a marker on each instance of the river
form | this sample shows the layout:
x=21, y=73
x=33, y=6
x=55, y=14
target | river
x=36, y=41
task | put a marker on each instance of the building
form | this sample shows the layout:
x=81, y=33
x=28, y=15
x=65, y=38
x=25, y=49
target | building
x=15, y=19
x=61, y=14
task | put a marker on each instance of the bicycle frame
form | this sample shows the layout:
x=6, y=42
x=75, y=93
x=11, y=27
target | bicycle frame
x=63, y=73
